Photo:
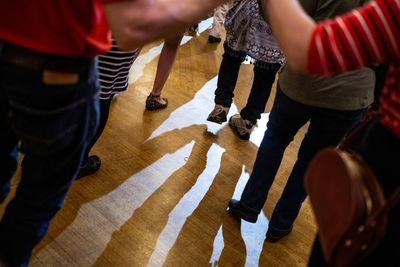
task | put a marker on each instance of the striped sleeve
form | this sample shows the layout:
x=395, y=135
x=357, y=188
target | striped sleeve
x=365, y=36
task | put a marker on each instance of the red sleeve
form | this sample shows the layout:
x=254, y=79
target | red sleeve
x=365, y=36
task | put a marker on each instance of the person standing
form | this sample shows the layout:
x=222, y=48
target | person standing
x=218, y=21
x=49, y=96
x=247, y=34
x=332, y=106
x=366, y=36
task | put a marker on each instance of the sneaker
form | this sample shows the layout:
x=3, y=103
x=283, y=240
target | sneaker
x=213, y=39
x=240, y=210
x=274, y=234
x=242, y=127
x=90, y=167
x=218, y=115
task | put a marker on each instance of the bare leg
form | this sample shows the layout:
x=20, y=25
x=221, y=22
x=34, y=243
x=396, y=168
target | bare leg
x=165, y=63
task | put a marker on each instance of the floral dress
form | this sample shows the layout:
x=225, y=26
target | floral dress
x=247, y=32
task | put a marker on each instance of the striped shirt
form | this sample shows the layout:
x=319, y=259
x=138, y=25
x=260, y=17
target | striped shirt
x=114, y=67
x=367, y=35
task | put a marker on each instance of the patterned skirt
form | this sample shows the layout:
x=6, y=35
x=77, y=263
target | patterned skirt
x=247, y=32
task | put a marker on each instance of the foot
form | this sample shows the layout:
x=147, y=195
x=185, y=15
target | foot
x=240, y=210
x=242, y=127
x=218, y=115
x=154, y=102
x=89, y=167
x=274, y=234
x=213, y=39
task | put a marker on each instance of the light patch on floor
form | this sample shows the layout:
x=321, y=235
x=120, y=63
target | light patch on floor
x=186, y=206
x=253, y=234
x=121, y=204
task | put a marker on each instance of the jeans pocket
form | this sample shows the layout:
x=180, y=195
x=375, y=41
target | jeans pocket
x=46, y=131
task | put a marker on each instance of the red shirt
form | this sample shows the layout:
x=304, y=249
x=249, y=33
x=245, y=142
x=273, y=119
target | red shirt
x=59, y=27
x=365, y=36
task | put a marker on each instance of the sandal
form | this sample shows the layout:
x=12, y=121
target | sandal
x=153, y=104
x=90, y=167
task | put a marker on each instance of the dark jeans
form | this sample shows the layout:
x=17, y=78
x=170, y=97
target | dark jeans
x=264, y=77
x=327, y=128
x=380, y=150
x=53, y=125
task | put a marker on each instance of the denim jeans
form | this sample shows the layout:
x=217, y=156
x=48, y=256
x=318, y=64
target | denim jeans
x=53, y=125
x=264, y=77
x=327, y=127
x=380, y=150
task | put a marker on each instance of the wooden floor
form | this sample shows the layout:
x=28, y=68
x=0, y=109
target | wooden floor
x=161, y=194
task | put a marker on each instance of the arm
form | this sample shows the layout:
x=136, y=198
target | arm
x=137, y=22
x=365, y=36
x=293, y=29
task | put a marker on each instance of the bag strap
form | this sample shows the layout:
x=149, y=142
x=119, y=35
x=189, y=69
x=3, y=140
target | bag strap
x=392, y=201
x=394, y=198
x=357, y=132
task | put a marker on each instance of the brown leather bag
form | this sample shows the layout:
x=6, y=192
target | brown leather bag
x=348, y=204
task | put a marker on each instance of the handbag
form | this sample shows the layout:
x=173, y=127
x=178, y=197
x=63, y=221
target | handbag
x=348, y=203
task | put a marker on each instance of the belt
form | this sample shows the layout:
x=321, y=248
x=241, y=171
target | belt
x=39, y=61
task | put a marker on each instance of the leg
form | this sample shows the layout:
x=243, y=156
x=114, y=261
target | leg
x=165, y=63
x=286, y=118
x=327, y=128
x=262, y=83
x=92, y=164
x=8, y=148
x=218, y=21
x=54, y=124
x=227, y=78
x=264, y=78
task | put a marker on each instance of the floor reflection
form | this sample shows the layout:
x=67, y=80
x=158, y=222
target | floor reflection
x=186, y=206
x=121, y=203
x=91, y=224
x=253, y=234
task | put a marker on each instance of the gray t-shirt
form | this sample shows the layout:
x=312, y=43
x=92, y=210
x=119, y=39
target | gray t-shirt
x=347, y=91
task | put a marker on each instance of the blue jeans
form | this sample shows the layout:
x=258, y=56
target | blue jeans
x=53, y=125
x=327, y=128
x=264, y=77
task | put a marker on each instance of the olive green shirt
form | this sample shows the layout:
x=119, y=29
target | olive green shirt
x=347, y=91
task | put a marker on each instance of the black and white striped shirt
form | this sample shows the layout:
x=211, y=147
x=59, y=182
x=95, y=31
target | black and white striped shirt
x=113, y=73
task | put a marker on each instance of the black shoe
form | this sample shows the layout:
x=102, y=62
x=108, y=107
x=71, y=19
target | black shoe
x=274, y=235
x=213, y=39
x=90, y=167
x=241, y=211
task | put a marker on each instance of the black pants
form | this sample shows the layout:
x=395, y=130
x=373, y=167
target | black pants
x=264, y=77
x=104, y=112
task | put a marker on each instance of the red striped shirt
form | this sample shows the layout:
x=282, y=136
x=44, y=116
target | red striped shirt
x=367, y=35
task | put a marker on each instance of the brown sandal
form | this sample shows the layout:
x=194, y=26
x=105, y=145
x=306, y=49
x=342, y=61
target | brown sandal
x=153, y=104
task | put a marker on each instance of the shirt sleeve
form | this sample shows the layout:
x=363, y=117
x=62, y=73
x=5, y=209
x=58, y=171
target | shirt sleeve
x=367, y=35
